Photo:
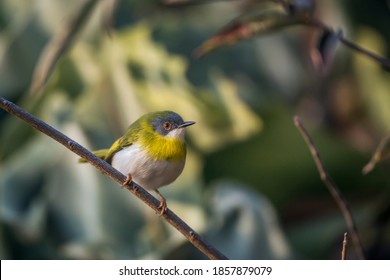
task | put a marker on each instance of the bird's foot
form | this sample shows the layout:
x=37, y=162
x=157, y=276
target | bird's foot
x=163, y=206
x=127, y=181
x=163, y=203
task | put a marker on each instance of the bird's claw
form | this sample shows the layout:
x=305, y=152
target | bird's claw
x=163, y=206
x=163, y=203
x=128, y=180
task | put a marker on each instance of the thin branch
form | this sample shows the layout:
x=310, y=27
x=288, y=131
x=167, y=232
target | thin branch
x=381, y=152
x=344, y=250
x=58, y=45
x=107, y=169
x=332, y=187
x=383, y=61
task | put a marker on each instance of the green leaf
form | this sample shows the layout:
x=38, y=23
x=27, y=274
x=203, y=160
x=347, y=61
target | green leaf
x=240, y=217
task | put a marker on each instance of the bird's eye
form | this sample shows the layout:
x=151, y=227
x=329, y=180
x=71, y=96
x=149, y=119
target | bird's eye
x=167, y=126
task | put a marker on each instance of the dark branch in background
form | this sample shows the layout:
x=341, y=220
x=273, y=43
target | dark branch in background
x=383, y=61
x=344, y=250
x=107, y=169
x=58, y=45
x=332, y=187
x=263, y=21
x=381, y=152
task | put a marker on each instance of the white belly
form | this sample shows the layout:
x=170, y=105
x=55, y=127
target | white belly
x=149, y=174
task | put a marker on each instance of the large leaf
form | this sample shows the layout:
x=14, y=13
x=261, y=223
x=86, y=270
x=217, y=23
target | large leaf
x=245, y=223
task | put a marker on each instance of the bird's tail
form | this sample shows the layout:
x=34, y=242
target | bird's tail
x=99, y=153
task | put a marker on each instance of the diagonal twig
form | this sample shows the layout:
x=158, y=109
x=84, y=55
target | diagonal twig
x=344, y=250
x=332, y=187
x=381, y=60
x=58, y=45
x=107, y=169
x=381, y=153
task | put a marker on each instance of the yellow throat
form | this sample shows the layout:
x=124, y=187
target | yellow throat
x=162, y=147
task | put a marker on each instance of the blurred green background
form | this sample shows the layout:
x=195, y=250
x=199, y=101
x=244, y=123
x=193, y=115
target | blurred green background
x=249, y=186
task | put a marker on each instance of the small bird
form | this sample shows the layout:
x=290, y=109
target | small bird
x=151, y=153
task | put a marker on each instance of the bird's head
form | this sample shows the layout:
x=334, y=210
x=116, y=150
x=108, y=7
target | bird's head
x=168, y=124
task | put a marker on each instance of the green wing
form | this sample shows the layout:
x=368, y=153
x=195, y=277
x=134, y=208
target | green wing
x=107, y=154
x=116, y=147
x=126, y=140
x=130, y=136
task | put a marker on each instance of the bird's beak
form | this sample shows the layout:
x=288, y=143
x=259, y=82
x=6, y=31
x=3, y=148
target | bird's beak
x=184, y=124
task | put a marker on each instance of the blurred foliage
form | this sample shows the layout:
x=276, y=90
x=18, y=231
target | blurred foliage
x=249, y=186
